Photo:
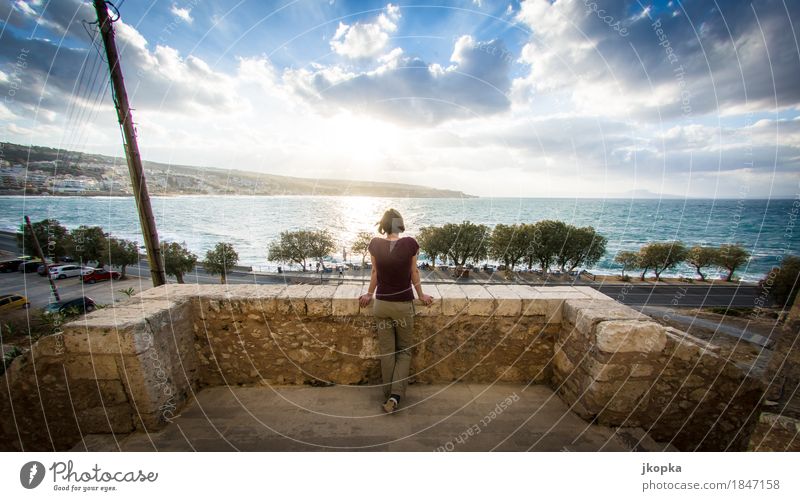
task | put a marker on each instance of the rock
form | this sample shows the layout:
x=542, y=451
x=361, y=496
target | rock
x=615, y=336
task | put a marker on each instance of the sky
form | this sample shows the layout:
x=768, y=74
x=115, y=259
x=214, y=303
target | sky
x=565, y=98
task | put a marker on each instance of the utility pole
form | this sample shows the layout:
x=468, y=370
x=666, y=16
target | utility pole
x=138, y=183
x=39, y=253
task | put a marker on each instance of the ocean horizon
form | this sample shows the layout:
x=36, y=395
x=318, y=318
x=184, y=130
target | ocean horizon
x=765, y=227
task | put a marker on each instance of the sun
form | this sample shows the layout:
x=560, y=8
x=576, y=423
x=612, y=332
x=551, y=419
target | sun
x=364, y=140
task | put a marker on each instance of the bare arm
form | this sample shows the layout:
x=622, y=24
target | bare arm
x=373, y=278
x=415, y=280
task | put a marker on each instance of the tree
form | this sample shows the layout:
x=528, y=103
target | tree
x=582, y=246
x=508, y=244
x=300, y=245
x=465, y=242
x=432, y=242
x=220, y=260
x=361, y=245
x=52, y=236
x=783, y=282
x=702, y=257
x=731, y=257
x=661, y=256
x=628, y=259
x=321, y=244
x=545, y=240
x=122, y=253
x=88, y=243
x=177, y=259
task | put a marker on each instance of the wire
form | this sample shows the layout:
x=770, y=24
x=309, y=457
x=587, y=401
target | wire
x=116, y=10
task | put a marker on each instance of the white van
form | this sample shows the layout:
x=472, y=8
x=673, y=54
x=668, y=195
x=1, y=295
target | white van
x=68, y=270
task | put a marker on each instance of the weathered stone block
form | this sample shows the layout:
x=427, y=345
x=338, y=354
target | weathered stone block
x=550, y=306
x=604, y=372
x=292, y=299
x=120, y=331
x=91, y=367
x=527, y=295
x=615, y=336
x=319, y=300
x=345, y=299
x=435, y=308
x=454, y=300
x=585, y=314
x=508, y=302
x=479, y=301
x=616, y=396
x=562, y=363
x=111, y=419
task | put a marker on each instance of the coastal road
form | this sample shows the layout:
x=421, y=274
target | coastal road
x=674, y=295
x=37, y=288
x=685, y=295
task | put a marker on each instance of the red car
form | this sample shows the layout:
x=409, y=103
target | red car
x=98, y=275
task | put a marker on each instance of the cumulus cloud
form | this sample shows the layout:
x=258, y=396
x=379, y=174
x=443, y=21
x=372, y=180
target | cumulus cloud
x=365, y=40
x=182, y=13
x=408, y=90
x=695, y=58
x=55, y=74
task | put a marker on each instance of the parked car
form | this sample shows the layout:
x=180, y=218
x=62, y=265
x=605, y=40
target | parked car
x=10, y=265
x=29, y=266
x=97, y=275
x=69, y=270
x=43, y=271
x=83, y=304
x=10, y=302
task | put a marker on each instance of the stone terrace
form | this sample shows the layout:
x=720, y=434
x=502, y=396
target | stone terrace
x=184, y=367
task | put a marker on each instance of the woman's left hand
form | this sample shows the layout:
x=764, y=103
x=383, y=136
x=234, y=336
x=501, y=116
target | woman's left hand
x=364, y=300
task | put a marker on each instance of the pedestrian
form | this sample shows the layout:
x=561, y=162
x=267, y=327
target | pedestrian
x=394, y=279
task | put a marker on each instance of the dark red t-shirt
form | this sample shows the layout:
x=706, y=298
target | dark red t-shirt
x=392, y=260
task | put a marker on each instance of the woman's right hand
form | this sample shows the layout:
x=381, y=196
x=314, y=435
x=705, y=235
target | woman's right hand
x=426, y=299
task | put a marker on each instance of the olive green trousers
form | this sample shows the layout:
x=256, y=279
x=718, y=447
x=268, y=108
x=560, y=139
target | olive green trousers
x=394, y=321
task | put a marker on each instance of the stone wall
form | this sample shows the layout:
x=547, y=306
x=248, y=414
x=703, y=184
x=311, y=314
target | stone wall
x=618, y=367
x=114, y=371
x=317, y=334
x=133, y=366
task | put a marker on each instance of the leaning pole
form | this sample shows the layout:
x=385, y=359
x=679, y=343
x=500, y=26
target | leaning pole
x=125, y=118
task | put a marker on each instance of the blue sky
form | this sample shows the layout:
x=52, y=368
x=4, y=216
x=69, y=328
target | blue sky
x=494, y=98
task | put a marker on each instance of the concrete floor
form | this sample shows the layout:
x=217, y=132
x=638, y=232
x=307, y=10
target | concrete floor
x=298, y=418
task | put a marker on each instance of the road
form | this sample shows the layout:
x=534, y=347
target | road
x=37, y=288
x=686, y=295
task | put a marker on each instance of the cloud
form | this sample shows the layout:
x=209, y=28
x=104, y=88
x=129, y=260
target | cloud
x=182, y=13
x=409, y=90
x=697, y=58
x=366, y=40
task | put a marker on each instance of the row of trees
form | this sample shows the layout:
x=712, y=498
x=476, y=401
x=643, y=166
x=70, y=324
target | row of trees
x=85, y=243
x=546, y=243
x=662, y=256
x=91, y=243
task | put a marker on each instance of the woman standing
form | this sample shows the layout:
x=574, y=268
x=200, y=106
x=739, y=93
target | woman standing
x=394, y=271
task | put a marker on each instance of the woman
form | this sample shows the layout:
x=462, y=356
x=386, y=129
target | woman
x=394, y=270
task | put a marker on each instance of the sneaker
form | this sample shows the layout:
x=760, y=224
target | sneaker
x=390, y=405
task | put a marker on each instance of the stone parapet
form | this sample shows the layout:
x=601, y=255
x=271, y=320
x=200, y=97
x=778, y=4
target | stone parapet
x=134, y=365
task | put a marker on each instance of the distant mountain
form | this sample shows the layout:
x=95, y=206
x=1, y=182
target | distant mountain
x=165, y=179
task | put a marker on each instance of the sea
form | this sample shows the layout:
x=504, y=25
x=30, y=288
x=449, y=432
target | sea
x=766, y=228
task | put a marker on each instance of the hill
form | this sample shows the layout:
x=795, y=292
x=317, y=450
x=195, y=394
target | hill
x=111, y=174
